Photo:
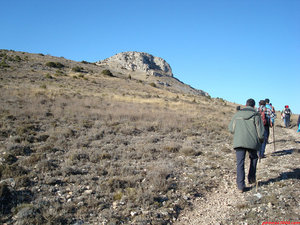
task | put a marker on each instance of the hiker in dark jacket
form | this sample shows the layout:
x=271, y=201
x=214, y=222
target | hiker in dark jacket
x=248, y=134
x=286, y=115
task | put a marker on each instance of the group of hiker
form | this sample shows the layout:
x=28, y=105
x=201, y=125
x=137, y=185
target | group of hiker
x=251, y=129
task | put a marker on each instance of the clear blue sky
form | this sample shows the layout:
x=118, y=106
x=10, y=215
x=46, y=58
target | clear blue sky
x=232, y=49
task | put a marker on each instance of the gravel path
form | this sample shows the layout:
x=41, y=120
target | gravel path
x=275, y=199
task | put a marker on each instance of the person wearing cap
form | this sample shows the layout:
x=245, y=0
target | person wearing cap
x=286, y=115
x=248, y=133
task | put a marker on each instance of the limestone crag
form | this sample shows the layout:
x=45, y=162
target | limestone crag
x=139, y=62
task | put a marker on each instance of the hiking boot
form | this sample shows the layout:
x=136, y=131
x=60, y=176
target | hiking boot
x=252, y=181
x=245, y=189
x=241, y=190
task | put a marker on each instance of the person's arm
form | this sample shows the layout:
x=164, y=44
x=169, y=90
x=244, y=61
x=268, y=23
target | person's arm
x=231, y=125
x=260, y=128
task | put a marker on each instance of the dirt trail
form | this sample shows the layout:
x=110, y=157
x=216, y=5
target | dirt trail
x=221, y=206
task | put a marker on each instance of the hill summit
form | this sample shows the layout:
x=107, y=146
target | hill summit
x=138, y=62
x=147, y=68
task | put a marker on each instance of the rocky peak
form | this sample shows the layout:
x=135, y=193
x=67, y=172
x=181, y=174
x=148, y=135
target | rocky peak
x=139, y=62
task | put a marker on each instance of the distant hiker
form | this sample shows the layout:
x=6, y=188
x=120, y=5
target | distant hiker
x=267, y=122
x=238, y=108
x=273, y=112
x=298, y=124
x=286, y=115
x=248, y=134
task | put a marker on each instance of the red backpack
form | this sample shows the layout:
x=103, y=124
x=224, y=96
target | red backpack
x=263, y=116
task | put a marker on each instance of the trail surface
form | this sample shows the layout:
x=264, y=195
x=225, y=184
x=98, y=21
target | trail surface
x=276, y=198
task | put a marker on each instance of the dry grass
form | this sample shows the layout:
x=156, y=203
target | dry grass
x=114, y=148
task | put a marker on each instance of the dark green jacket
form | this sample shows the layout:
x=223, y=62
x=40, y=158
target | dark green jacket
x=247, y=128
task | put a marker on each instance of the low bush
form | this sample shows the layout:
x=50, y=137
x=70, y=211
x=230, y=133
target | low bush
x=78, y=69
x=107, y=73
x=3, y=64
x=55, y=65
x=48, y=76
x=152, y=84
x=59, y=73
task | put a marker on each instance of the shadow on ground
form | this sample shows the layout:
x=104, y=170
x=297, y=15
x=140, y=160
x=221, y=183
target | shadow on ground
x=295, y=174
x=282, y=152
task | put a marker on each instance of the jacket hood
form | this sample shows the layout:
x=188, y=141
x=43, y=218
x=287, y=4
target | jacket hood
x=247, y=113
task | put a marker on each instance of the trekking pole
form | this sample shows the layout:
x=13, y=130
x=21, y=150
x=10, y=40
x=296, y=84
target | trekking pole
x=256, y=182
x=274, y=137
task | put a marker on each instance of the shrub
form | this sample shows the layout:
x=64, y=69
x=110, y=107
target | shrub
x=9, y=159
x=59, y=73
x=188, y=151
x=3, y=64
x=17, y=58
x=7, y=171
x=107, y=73
x=78, y=69
x=172, y=148
x=55, y=64
x=118, y=196
x=153, y=84
x=48, y=76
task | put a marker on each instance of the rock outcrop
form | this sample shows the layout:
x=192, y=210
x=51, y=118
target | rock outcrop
x=138, y=62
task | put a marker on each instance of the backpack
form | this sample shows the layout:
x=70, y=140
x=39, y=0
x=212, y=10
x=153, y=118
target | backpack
x=287, y=111
x=264, y=117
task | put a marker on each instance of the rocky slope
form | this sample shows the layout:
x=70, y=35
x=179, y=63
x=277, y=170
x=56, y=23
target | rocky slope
x=83, y=144
x=139, y=62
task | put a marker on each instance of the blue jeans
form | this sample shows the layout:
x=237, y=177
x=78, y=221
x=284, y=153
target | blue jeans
x=266, y=138
x=287, y=120
x=240, y=166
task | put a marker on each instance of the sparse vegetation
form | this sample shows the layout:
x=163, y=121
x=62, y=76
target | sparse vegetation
x=152, y=84
x=107, y=73
x=48, y=76
x=3, y=64
x=59, y=73
x=78, y=69
x=55, y=65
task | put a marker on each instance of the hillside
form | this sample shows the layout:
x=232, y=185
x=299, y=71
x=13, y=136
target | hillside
x=82, y=143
